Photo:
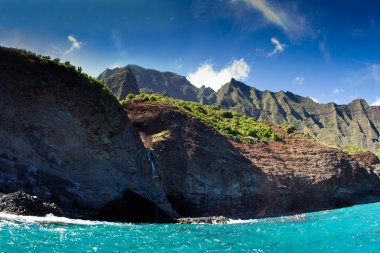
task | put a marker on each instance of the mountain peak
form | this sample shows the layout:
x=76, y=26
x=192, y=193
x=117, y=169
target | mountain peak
x=236, y=84
x=360, y=101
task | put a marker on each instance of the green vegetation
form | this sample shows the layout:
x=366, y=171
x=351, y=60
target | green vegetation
x=352, y=149
x=69, y=72
x=288, y=128
x=228, y=123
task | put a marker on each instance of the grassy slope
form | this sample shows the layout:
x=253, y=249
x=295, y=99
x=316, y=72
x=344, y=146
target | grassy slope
x=228, y=123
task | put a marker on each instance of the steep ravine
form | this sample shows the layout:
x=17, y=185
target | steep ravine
x=208, y=174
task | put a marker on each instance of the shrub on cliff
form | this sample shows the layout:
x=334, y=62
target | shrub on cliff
x=352, y=149
x=288, y=128
x=229, y=124
x=37, y=63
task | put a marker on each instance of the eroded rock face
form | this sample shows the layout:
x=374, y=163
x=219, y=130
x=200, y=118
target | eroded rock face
x=68, y=134
x=206, y=174
x=309, y=176
x=209, y=175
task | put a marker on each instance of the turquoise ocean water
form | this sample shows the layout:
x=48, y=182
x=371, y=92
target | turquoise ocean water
x=354, y=229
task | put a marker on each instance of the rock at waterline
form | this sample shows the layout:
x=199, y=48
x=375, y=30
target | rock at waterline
x=24, y=204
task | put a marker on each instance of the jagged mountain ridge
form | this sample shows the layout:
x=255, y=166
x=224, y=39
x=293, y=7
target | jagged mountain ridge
x=355, y=124
x=150, y=80
x=341, y=125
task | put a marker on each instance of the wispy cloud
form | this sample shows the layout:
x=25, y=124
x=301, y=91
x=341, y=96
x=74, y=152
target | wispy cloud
x=337, y=91
x=284, y=15
x=208, y=76
x=372, y=23
x=116, y=39
x=75, y=44
x=376, y=102
x=358, y=33
x=370, y=73
x=299, y=80
x=278, y=47
x=324, y=50
x=178, y=63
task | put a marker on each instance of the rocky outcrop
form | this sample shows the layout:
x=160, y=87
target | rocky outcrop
x=210, y=175
x=66, y=139
x=204, y=220
x=24, y=204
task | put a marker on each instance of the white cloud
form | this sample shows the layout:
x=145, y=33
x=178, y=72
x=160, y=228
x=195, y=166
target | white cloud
x=208, y=76
x=377, y=102
x=75, y=44
x=278, y=47
x=299, y=80
x=314, y=99
x=284, y=15
x=337, y=91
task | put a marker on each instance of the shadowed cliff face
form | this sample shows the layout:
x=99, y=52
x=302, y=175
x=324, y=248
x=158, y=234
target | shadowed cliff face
x=63, y=129
x=132, y=207
x=208, y=174
x=356, y=124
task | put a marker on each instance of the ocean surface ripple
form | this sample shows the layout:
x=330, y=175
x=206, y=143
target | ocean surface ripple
x=353, y=229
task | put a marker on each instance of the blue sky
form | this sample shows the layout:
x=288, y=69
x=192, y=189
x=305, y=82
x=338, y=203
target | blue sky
x=327, y=50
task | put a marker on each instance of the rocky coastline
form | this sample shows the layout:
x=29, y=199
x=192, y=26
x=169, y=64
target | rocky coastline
x=71, y=149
